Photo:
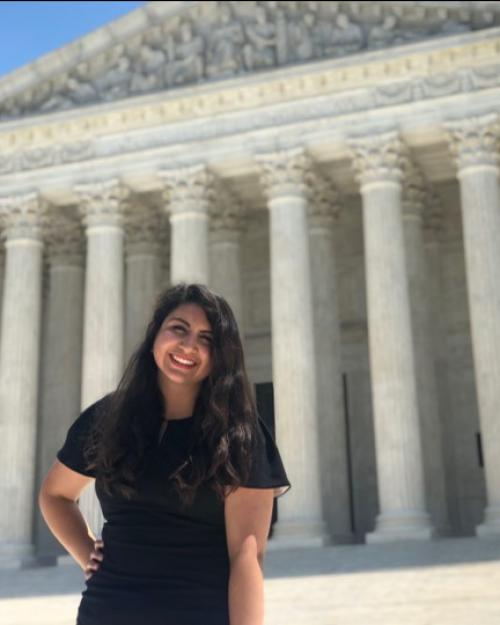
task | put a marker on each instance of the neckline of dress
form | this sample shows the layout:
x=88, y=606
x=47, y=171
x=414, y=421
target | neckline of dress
x=175, y=420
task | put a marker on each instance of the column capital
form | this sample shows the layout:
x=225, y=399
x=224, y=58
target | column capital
x=414, y=191
x=433, y=217
x=378, y=158
x=474, y=141
x=65, y=241
x=101, y=202
x=187, y=189
x=323, y=208
x=283, y=172
x=143, y=225
x=22, y=216
x=226, y=215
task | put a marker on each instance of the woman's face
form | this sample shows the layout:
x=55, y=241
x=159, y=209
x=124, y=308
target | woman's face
x=183, y=346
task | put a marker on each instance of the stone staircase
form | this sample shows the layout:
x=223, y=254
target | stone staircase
x=443, y=582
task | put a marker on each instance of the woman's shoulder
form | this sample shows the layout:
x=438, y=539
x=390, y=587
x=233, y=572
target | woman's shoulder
x=90, y=415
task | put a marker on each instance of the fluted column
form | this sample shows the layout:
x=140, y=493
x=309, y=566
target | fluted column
x=188, y=197
x=323, y=214
x=475, y=145
x=143, y=273
x=225, y=254
x=2, y=272
x=433, y=231
x=300, y=515
x=61, y=354
x=397, y=434
x=19, y=359
x=414, y=197
x=101, y=205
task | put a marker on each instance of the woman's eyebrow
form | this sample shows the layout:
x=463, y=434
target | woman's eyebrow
x=188, y=324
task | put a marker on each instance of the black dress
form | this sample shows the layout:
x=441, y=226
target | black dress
x=163, y=564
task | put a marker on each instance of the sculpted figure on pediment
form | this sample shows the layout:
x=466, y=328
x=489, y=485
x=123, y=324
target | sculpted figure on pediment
x=300, y=29
x=346, y=36
x=384, y=34
x=186, y=56
x=114, y=82
x=225, y=42
x=80, y=91
x=260, y=49
x=148, y=69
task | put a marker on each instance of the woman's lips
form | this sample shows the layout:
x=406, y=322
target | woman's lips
x=182, y=363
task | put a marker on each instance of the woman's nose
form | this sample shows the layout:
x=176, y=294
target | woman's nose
x=188, y=341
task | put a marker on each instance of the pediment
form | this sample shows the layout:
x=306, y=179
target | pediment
x=169, y=45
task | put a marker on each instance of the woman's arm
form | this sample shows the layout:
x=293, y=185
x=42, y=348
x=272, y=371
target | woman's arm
x=57, y=500
x=248, y=518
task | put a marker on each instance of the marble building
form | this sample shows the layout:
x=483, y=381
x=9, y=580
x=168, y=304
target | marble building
x=332, y=169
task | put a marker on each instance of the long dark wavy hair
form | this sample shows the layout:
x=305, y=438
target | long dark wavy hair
x=224, y=418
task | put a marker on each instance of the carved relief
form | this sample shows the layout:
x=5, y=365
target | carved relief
x=284, y=172
x=46, y=157
x=143, y=225
x=323, y=208
x=65, y=240
x=102, y=203
x=187, y=189
x=378, y=158
x=414, y=193
x=223, y=39
x=227, y=218
x=475, y=140
x=21, y=216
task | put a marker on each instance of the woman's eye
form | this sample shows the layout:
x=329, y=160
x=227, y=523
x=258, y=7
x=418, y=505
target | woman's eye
x=206, y=339
x=179, y=328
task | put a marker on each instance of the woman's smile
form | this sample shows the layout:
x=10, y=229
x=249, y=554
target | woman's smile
x=183, y=363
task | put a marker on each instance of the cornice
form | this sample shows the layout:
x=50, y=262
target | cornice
x=358, y=83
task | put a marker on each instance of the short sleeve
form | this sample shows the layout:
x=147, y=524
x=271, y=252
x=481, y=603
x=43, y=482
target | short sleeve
x=267, y=469
x=71, y=453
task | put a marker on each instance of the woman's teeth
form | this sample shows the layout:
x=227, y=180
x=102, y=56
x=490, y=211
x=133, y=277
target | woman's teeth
x=183, y=361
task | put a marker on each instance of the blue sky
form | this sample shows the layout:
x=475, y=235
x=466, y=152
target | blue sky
x=30, y=29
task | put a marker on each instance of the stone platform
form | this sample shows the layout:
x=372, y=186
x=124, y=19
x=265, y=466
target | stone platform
x=444, y=582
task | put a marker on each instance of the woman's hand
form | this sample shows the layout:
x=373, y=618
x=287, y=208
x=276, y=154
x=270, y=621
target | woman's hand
x=95, y=560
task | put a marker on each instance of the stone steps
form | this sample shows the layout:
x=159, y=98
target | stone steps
x=444, y=582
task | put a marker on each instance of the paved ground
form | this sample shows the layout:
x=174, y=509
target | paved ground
x=445, y=582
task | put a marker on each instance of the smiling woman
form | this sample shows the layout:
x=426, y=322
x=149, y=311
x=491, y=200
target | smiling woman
x=186, y=472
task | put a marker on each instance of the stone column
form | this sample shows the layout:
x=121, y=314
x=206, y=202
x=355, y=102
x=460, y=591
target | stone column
x=2, y=271
x=143, y=274
x=61, y=355
x=433, y=231
x=19, y=360
x=188, y=196
x=397, y=434
x=225, y=254
x=300, y=515
x=475, y=146
x=323, y=214
x=414, y=198
x=101, y=205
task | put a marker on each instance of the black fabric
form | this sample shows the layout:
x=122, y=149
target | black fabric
x=164, y=563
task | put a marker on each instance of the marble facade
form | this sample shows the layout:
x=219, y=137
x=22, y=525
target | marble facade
x=332, y=169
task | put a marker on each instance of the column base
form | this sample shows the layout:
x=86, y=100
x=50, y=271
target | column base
x=290, y=535
x=343, y=539
x=15, y=555
x=491, y=526
x=401, y=526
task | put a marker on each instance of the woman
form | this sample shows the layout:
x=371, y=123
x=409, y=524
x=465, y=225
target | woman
x=185, y=472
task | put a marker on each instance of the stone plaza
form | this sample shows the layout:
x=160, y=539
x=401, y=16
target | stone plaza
x=451, y=582
x=331, y=168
